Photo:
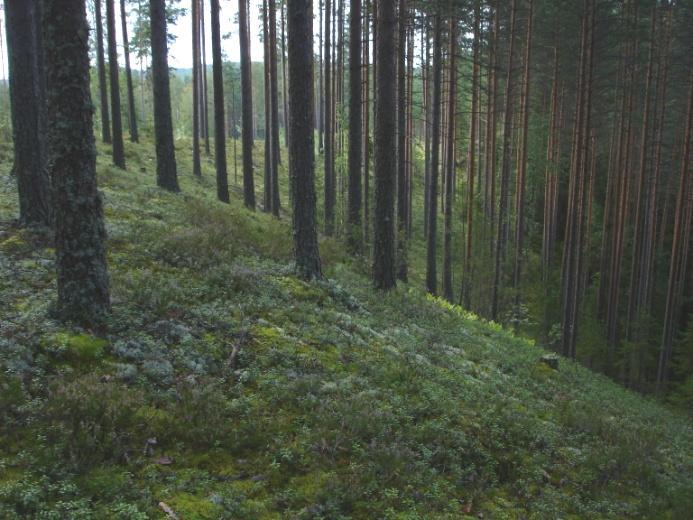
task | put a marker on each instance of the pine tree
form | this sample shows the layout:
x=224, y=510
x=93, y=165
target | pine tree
x=83, y=295
x=219, y=119
x=33, y=182
x=166, y=175
x=132, y=115
x=301, y=138
x=114, y=74
x=354, y=231
x=385, y=147
x=101, y=66
x=247, y=106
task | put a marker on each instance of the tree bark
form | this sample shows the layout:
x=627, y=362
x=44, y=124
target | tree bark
x=132, y=115
x=118, y=146
x=385, y=147
x=354, y=230
x=247, y=108
x=166, y=175
x=101, y=66
x=301, y=138
x=219, y=118
x=431, y=271
x=83, y=295
x=450, y=163
x=197, y=168
x=33, y=183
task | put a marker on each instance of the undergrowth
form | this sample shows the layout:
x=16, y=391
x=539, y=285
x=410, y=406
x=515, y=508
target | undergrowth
x=224, y=387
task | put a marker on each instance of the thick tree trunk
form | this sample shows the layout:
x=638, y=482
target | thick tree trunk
x=385, y=147
x=132, y=115
x=247, y=108
x=101, y=66
x=83, y=295
x=267, y=193
x=118, y=146
x=166, y=176
x=301, y=138
x=219, y=119
x=33, y=183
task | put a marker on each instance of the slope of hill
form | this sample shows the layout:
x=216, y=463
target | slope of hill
x=224, y=387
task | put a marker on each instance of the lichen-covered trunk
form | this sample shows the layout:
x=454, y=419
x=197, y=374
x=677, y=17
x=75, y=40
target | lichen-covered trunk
x=79, y=226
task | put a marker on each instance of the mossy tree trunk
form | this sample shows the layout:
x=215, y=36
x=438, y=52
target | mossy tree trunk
x=83, y=295
x=219, y=118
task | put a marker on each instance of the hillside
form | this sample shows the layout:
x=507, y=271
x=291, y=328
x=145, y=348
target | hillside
x=224, y=387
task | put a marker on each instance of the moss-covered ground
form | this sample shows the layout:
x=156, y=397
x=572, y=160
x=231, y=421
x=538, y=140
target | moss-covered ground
x=224, y=387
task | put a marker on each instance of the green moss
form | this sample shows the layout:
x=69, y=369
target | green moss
x=192, y=507
x=77, y=348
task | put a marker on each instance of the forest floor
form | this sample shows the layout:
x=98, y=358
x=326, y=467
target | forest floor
x=224, y=387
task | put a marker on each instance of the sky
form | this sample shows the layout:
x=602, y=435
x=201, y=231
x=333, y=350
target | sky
x=180, y=53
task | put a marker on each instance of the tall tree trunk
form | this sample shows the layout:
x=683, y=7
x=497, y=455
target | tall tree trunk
x=118, y=146
x=101, y=66
x=301, y=138
x=284, y=86
x=329, y=136
x=268, y=198
x=385, y=147
x=465, y=297
x=450, y=164
x=197, y=168
x=166, y=176
x=522, y=170
x=431, y=250
x=33, y=183
x=247, y=107
x=204, y=112
x=132, y=115
x=402, y=198
x=274, y=107
x=354, y=230
x=83, y=295
x=218, y=85
x=505, y=169
x=366, y=125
